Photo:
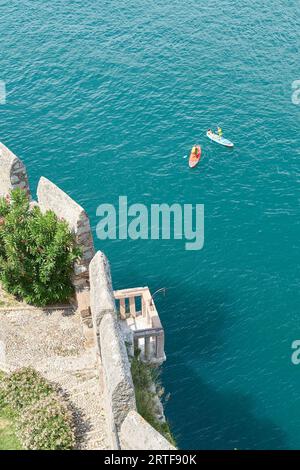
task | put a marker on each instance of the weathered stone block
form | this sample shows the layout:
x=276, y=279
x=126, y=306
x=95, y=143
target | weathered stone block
x=80, y=269
x=21, y=184
x=87, y=254
x=137, y=434
x=85, y=313
x=14, y=179
x=116, y=367
x=83, y=228
x=12, y=172
x=50, y=197
x=101, y=296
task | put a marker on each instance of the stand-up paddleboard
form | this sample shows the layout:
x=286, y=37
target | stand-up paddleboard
x=218, y=139
x=195, y=157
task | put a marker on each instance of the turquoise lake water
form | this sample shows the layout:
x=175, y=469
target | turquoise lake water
x=105, y=98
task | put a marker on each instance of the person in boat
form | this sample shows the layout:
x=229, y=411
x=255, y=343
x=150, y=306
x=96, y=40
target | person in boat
x=220, y=132
x=209, y=131
x=195, y=150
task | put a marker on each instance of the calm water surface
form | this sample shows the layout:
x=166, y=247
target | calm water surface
x=105, y=98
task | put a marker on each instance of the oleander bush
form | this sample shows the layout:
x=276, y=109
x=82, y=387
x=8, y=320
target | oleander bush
x=41, y=415
x=37, y=252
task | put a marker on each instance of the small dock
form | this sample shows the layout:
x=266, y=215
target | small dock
x=140, y=323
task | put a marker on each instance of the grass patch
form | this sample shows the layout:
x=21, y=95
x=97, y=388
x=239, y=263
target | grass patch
x=8, y=436
x=144, y=376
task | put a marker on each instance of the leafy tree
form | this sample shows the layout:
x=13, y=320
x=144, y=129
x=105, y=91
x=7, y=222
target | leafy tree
x=37, y=252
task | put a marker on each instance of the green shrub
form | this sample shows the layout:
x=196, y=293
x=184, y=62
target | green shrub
x=37, y=252
x=144, y=376
x=2, y=394
x=47, y=425
x=22, y=388
x=40, y=414
x=142, y=373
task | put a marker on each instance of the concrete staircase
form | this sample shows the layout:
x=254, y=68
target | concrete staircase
x=84, y=392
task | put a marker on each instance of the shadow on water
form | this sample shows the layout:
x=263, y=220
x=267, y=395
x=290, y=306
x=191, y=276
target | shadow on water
x=214, y=419
x=210, y=417
x=198, y=321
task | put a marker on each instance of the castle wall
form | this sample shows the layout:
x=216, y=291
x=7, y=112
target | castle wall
x=127, y=429
x=12, y=172
x=50, y=197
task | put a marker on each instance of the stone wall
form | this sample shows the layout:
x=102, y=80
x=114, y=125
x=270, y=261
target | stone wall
x=128, y=430
x=102, y=299
x=12, y=172
x=118, y=387
x=50, y=197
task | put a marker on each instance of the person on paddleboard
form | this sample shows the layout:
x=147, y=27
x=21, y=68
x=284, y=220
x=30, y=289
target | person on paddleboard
x=220, y=132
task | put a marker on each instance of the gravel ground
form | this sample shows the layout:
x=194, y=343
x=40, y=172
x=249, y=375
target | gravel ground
x=52, y=342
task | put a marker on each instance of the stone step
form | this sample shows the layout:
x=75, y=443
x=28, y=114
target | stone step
x=97, y=444
x=70, y=380
x=84, y=386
